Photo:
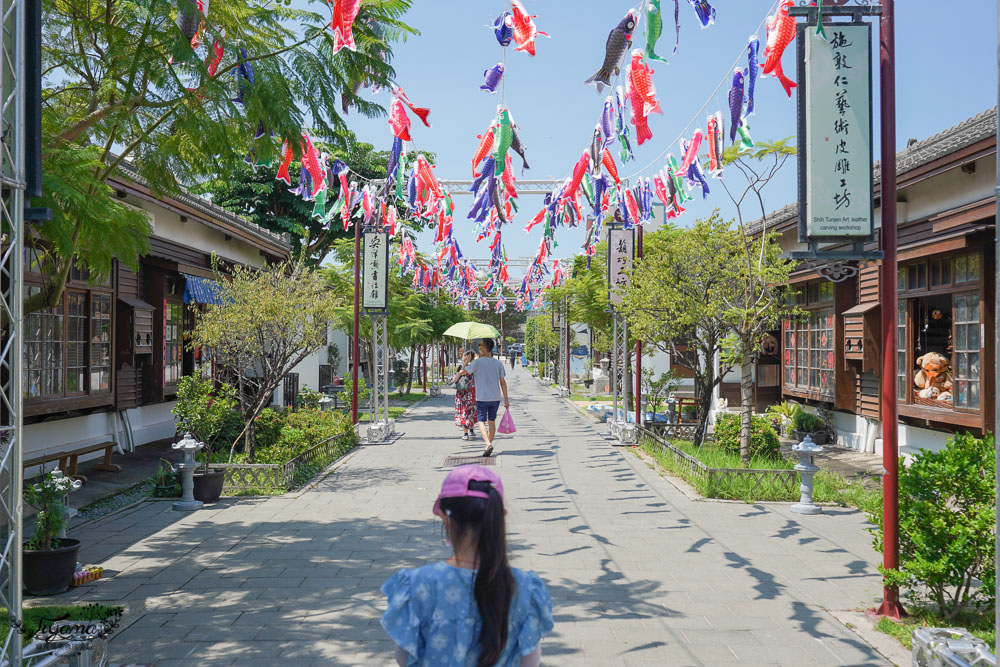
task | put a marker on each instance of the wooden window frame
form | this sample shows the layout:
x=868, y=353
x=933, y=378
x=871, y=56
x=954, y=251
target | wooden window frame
x=89, y=397
x=811, y=298
x=952, y=414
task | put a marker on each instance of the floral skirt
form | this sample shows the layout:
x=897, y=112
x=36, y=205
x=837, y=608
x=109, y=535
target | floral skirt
x=465, y=407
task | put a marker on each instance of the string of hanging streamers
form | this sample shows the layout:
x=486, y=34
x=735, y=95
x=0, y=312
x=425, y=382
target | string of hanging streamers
x=695, y=119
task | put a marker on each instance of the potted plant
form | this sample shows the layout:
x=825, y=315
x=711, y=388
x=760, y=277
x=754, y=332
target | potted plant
x=166, y=480
x=805, y=423
x=204, y=410
x=49, y=561
x=783, y=416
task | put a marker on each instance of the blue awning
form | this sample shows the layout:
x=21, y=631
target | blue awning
x=201, y=290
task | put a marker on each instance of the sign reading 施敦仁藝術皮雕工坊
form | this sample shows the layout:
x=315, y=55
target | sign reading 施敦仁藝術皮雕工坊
x=838, y=133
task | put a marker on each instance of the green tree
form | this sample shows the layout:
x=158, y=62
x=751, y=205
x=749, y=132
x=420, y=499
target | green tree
x=658, y=389
x=677, y=299
x=122, y=82
x=759, y=304
x=266, y=324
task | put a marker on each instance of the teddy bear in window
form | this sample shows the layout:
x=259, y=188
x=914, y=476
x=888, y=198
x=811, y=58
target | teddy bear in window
x=933, y=380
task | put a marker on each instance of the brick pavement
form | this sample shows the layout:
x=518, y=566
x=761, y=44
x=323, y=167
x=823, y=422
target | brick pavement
x=640, y=573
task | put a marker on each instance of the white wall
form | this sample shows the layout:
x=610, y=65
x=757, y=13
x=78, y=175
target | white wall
x=149, y=423
x=168, y=225
x=865, y=435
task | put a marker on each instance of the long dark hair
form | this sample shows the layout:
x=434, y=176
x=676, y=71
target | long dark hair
x=482, y=520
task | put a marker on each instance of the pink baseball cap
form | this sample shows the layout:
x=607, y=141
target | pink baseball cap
x=457, y=484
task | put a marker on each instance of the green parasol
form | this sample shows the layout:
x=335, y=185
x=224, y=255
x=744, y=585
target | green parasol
x=470, y=330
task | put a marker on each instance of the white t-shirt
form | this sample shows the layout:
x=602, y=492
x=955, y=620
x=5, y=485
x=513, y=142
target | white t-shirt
x=487, y=372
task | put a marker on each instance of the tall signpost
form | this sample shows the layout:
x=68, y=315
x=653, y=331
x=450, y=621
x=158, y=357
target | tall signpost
x=836, y=197
x=621, y=255
x=375, y=300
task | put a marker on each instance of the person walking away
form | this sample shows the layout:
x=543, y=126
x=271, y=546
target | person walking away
x=474, y=608
x=490, y=388
x=511, y=360
x=465, y=398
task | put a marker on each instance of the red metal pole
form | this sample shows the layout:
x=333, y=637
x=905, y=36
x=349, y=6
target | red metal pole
x=887, y=282
x=638, y=356
x=356, y=333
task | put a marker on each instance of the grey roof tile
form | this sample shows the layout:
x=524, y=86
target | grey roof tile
x=214, y=210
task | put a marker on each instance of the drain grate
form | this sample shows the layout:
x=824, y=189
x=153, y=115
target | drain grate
x=453, y=461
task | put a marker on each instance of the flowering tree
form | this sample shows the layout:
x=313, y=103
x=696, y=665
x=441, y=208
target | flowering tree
x=269, y=321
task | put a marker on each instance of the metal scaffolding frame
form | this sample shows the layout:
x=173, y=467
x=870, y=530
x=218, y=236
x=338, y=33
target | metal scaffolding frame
x=12, y=202
x=380, y=427
x=618, y=422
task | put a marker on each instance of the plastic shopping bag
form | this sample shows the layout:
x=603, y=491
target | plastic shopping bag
x=506, y=423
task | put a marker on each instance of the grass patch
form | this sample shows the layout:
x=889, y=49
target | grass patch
x=394, y=412
x=412, y=397
x=980, y=626
x=37, y=618
x=828, y=487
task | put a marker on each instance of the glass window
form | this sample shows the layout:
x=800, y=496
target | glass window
x=808, y=356
x=67, y=349
x=172, y=343
x=76, y=343
x=967, y=268
x=100, y=342
x=966, y=357
x=902, y=369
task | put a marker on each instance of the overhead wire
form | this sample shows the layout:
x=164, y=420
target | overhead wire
x=711, y=98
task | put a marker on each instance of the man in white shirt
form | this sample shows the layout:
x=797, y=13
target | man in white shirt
x=490, y=387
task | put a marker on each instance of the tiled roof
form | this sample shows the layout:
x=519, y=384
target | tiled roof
x=214, y=211
x=968, y=132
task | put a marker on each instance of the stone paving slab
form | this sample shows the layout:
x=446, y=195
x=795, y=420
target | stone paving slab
x=640, y=573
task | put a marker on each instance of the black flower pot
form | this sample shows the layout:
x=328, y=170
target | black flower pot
x=208, y=485
x=50, y=571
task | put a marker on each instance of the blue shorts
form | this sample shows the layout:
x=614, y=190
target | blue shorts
x=486, y=411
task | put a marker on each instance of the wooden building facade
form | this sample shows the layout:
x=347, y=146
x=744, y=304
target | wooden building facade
x=117, y=349
x=945, y=320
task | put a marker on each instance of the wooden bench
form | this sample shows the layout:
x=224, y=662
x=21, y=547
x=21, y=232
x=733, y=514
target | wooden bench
x=68, y=461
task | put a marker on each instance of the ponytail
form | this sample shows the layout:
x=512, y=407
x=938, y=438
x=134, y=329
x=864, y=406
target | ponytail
x=482, y=520
x=494, y=587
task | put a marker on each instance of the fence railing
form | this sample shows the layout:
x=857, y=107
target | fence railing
x=721, y=482
x=280, y=477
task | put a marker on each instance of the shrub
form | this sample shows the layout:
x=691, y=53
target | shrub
x=289, y=434
x=807, y=422
x=268, y=427
x=947, y=514
x=307, y=398
x=763, y=440
x=203, y=409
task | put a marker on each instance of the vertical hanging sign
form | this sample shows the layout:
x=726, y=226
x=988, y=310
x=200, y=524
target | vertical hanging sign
x=835, y=133
x=621, y=254
x=375, y=271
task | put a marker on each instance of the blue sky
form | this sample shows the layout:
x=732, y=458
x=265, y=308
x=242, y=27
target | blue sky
x=946, y=71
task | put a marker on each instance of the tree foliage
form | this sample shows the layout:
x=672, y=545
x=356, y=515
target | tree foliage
x=678, y=296
x=268, y=322
x=121, y=81
x=947, y=519
x=760, y=304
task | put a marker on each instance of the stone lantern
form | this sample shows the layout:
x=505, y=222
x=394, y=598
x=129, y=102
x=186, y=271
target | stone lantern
x=807, y=469
x=188, y=446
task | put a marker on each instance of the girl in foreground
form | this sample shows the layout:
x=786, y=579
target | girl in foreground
x=472, y=610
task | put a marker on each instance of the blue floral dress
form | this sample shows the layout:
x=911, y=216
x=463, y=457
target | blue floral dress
x=432, y=615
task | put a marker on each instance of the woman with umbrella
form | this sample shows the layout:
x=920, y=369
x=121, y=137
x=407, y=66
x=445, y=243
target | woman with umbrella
x=465, y=397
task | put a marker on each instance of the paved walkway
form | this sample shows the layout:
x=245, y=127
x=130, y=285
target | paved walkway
x=640, y=573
